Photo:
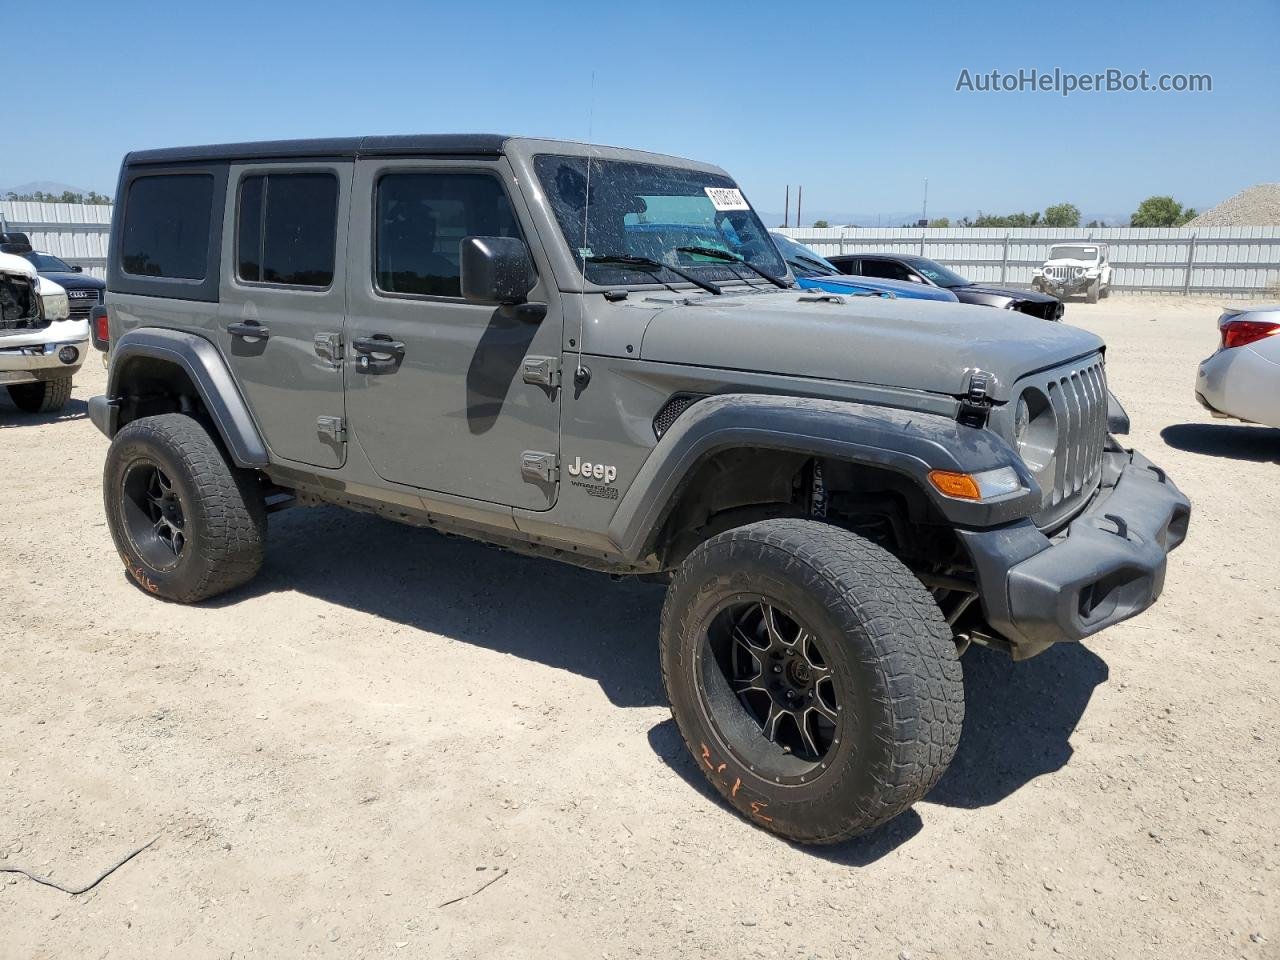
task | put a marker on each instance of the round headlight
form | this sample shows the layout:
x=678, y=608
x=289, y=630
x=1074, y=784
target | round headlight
x=1035, y=429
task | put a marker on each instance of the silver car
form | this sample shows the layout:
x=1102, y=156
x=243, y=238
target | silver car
x=1242, y=379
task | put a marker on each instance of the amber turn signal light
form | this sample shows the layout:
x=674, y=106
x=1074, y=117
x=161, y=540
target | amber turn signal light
x=951, y=484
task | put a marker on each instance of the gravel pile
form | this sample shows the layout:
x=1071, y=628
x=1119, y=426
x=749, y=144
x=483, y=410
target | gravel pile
x=1257, y=206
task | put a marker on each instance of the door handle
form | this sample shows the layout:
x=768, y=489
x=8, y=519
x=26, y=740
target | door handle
x=378, y=343
x=388, y=352
x=250, y=328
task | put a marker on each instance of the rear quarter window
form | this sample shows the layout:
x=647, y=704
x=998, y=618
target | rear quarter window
x=166, y=226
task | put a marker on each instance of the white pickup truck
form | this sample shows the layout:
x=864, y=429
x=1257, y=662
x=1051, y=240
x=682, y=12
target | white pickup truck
x=41, y=348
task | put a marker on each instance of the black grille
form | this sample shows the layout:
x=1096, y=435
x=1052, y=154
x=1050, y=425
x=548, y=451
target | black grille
x=82, y=302
x=671, y=411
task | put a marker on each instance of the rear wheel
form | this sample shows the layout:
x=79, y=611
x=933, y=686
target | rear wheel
x=812, y=676
x=187, y=524
x=44, y=396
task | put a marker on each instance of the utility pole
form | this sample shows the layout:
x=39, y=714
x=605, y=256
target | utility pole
x=924, y=211
x=786, y=212
x=799, y=197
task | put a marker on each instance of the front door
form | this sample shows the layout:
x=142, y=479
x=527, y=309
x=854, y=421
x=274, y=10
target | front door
x=449, y=409
x=283, y=285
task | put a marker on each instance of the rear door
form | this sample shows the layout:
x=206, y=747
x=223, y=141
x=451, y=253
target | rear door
x=283, y=298
x=451, y=411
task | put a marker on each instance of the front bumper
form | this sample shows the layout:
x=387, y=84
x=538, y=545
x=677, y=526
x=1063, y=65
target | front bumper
x=32, y=363
x=1065, y=288
x=1106, y=566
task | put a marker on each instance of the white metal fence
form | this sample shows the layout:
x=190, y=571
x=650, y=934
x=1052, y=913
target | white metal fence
x=76, y=232
x=1237, y=261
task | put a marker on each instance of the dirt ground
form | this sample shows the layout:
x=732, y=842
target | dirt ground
x=387, y=719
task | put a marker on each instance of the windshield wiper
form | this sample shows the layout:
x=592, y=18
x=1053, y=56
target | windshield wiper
x=810, y=267
x=649, y=265
x=802, y=259
x=734, y=258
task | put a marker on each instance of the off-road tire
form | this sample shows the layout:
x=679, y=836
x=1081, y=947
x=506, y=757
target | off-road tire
x=1092, y=293
x=893, y=655
x=1105, y=292
x=44, y=396
x=225, y=520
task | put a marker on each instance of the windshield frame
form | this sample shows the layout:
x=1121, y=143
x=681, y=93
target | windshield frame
x=757, y=244
x=1054, y=255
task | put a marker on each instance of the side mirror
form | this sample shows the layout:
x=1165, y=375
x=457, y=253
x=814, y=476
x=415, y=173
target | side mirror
x=76, y=268
x=495, y=270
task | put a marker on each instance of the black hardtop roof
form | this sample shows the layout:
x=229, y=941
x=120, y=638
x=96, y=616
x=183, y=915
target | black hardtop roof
x=433, y=144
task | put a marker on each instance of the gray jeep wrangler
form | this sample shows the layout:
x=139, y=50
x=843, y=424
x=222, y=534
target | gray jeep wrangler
x=598, y=355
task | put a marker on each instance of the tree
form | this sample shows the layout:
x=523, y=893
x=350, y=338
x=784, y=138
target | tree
x=820, y=224
x=1160, y=212
x=1061, y=215
x=940, y=222
x=67, y=196
x=1007, y=220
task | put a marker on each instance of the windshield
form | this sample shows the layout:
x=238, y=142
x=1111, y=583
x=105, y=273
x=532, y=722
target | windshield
x=803, y=261
x=1073, y=253
x=46, y=263
x=648, y=210
x=938, y=273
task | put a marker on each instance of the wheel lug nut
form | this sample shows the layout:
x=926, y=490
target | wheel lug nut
x=777, y=669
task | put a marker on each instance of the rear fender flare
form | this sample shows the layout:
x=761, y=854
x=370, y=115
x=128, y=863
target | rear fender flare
x=206, y=369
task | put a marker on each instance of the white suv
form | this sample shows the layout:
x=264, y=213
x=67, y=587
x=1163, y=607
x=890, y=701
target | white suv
x=41, y=348
x=1073, y=268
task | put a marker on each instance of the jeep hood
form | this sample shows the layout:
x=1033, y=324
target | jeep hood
x=917, y=344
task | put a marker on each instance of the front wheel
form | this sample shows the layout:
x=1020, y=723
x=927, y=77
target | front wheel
x=187, y=524
x=44, y=396
x=812, y=676
x=1092, y=293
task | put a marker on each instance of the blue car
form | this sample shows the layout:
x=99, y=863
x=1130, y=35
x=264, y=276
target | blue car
x=812, y=271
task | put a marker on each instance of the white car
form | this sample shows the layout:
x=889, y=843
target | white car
x=1072, y=268
x=1242, y=380
x=41, y=348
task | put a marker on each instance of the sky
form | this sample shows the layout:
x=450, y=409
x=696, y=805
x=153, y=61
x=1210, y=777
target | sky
x=855, y=101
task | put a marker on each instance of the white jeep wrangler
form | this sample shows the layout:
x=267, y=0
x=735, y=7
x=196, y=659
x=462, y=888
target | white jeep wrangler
x=1074, y=268
x=41, y=348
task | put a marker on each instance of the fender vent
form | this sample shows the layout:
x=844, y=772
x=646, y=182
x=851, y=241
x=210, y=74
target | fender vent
x=671, y=411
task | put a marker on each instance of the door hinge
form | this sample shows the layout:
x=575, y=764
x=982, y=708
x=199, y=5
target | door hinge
x=539, y=467
x=975, y=405
x=542, y=371
x=333, y=429
x=328, y=347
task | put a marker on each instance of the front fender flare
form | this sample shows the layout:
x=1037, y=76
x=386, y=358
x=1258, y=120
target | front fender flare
x=907, y=442
x=202, y=363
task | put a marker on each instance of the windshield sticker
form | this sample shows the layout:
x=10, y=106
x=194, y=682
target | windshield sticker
x=584, y=253
x=727, y=198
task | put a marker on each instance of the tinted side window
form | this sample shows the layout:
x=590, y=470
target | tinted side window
x=885, y=269
x=844, y=264
x=421, y=218
x=166, y=228
x=287, y=229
